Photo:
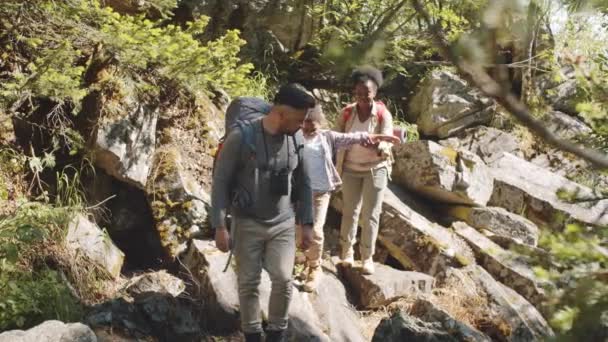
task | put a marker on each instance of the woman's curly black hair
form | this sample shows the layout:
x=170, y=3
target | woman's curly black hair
x=366, y=73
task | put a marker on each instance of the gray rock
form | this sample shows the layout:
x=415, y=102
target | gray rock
x=444, y=105
x=499, y=221
x=54, y=331
x=442, y=173
x=128, y=215
x=290, y=23
x=486, y=142
x=157, y=315
x=536, y=254
x=565, y=164
x=214, y=287
x=507, y=266
x=403, y=327
x=531, y=191
x=157, y=282
x=564, y=96
x=426, y=323
x=86, y=239
x=417, y=243
x=179, y=204
x=524, y=321
x=304, y=323
x=124, y=148
x=337, y=318
x=564, y=125
x=385, y=285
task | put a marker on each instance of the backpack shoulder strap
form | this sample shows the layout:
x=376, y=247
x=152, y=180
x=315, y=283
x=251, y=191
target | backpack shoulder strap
x=347, y=112
x=248, y=139
x=297, y=145
x=381, y=110
x=247, y=134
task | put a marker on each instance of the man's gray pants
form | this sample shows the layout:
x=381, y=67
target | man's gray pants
x=272, y=248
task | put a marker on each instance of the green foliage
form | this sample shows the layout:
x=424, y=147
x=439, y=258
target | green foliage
x=29, y=298
x=582, y=47
x=587, y=5
x=31, y=237
x=260, y=85
x=61, y=40
x=365, y=32
x=580, y=265
x=29, y=292
x=411, y=129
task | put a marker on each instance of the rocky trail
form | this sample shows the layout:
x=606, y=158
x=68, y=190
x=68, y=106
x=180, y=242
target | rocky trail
x=446, y=269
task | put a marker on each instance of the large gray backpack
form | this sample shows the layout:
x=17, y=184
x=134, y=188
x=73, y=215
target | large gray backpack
x=239, y=114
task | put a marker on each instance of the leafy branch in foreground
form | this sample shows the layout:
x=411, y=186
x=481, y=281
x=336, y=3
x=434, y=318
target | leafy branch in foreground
x=578, y=306
x=503, y=95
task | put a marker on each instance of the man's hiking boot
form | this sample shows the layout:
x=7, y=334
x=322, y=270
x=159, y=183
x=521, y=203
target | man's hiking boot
x=254, y=337
x=276, y=336
x=312, y=279
x=368, y=266
x=348, y=257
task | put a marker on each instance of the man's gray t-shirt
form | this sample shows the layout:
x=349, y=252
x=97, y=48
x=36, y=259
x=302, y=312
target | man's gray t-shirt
x=235, y=172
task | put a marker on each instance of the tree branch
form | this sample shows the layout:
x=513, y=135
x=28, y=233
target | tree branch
x=478, y=77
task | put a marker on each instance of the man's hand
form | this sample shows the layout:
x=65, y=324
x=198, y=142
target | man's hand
x=222, y=239
x=307, y=237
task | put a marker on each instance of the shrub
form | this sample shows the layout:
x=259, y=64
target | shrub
x=30, y=291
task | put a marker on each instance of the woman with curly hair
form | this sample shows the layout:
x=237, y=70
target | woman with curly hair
x=365, y=169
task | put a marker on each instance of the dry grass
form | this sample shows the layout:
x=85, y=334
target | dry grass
x=87, y=281
x=463, y=301
x=371, y=319
x=528, y=142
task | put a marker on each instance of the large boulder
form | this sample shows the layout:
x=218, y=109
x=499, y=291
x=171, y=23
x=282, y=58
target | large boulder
x=149, y=316
x=426, y=323
x=542, y=196
x=442, y=173
x=564, y=125
x=127, y=215
x=179, y=204
x=51, y=331
x=304, y=323
x=157, y=282
x=444, y=105
x=215, y=288
x=539, y=255
x=486, y=142
x=565, y=96
x=415, y=242
x=124, y=147
x=498, y=221
x=337, y=318
x=290, y=23
x=385, y=285
x=86, y=239
x=490, y=144
x=524, y=321
x=507, y=266
x=561, y=89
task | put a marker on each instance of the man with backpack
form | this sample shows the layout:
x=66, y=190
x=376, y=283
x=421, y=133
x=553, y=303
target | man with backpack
x=260, y=179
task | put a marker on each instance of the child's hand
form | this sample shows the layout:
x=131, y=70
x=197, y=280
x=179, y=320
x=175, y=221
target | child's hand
x=376, y=138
